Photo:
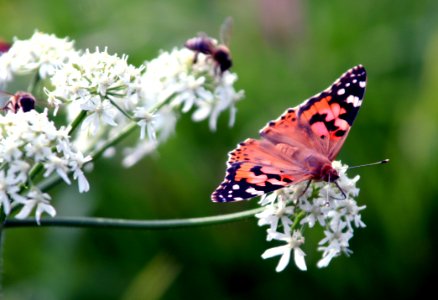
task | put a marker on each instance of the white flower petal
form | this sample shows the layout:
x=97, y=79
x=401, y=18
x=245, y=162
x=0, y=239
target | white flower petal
x=284, y=261
x=327, y=257
x=271, y=252
x=26, y=210
x=201, y=113
x=300, y=262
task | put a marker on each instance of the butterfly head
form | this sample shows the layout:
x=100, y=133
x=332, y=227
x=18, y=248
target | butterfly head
x=328, y=173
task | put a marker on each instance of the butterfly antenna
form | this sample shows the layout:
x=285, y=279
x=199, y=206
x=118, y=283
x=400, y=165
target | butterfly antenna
x=385, y=161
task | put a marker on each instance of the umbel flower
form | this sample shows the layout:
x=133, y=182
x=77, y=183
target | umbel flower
x=96, y=82
x=98, y=99
x=174, y=83
x=114, y=93
x=292, y=209
x=29, y=139
x=42, y=52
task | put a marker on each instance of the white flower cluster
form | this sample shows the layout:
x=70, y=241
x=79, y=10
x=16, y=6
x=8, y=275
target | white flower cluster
x=28, y=140
x=174, y=82
x=101, y=84
x=288, y=211
x=114, y=93
x=108, y=98
x=42, y=52
x=190, y=85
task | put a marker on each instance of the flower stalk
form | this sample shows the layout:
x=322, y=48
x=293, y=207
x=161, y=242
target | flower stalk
x=84, y=222
x=77, y=121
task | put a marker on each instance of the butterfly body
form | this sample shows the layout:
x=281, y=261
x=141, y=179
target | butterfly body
x=300, y=145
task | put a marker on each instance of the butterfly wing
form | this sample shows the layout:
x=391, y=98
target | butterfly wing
x=322, y=122
x=294, y=147
x=257, y=167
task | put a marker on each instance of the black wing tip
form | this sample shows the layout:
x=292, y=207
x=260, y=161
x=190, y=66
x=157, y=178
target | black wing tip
x=220, y=194
x=217, y=198
x=358, y=70
x=232, y=191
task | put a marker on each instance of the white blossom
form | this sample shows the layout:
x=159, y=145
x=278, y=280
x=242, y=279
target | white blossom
x=176, y=77
x=293, y=242
x=99, y=112
x=35, y=140
x=273, y=214
x=316, y=211
x=330, y=205
x=174, y=83
x=106, y=95
x=95, y=77
x=38, y=201
x=327, y=257
x=42, y=52
x=76, y=163
x=103, y=85
x=337, y=238
x=146, y=123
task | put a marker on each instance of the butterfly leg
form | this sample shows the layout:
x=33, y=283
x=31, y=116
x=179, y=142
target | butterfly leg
x=340, y=189
x=305, y=189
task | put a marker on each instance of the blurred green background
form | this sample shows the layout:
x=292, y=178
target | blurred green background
x=284, y=51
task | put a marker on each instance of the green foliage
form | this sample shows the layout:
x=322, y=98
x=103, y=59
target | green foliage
x=278, y=67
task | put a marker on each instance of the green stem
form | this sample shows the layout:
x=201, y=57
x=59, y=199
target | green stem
x=36, y=169
x=121, y=110
x=49, y=183
x=132, y=224
x=2, y=219
x=78, y=120
x=123, y=134
x=297, y=220
x=33, y=83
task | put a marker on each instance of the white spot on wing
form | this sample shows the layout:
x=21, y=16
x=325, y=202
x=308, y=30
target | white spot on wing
x=362, y=84
x=354, y=100
x=236, y=187
x=341, y=92
x=253, y=191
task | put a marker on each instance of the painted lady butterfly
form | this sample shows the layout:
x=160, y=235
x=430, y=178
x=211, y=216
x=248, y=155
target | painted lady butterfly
x=298, y=146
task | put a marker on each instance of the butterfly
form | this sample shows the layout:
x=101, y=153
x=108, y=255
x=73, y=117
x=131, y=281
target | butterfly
x=299, y=146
